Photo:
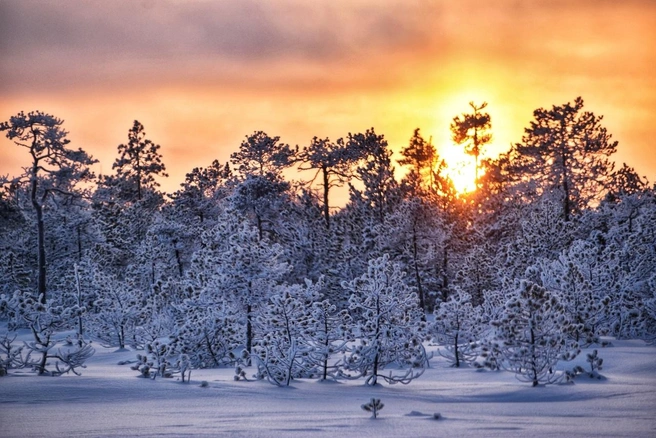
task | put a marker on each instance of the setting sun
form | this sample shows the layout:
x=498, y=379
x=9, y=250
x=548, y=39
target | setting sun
x=460, y=167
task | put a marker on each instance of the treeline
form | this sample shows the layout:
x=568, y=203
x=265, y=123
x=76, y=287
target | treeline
x=241, y=266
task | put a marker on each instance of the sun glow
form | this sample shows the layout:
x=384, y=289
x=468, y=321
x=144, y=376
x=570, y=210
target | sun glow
x=460, y=167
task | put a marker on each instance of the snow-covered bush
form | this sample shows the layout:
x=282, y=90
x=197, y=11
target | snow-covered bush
x=44, y=322
x=160, y=360
x=10, y=355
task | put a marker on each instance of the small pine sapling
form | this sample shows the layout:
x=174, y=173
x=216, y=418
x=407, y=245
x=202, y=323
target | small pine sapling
x=183, y=366
x=595, y=366
x=154, y=363
x=595, y=363
x=240, y=373
x=373, y=406
x=143, y=365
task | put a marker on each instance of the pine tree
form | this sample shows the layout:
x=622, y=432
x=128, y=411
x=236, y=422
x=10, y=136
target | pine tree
x=138, y=164
x=532, y=334
x=472, y=131
x=381, y=191
x=333, y=162
x=422, y=158
x=415, y=236
x=119, y=310
x=458, y=327
x=566, y=150
x=578, y=279
x=201, y=193
x=55, y=171
x=241, y=268
x=330, y=332
x=390, y=325
x=283, y=349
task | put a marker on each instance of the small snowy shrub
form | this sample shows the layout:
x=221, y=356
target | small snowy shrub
x=182, y=365
x=595, y=362
x=240, y=373
x=373, y=406
x=155, y=362
x=44, y=321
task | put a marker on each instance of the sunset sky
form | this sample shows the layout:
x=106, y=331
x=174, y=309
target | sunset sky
x=201, y=75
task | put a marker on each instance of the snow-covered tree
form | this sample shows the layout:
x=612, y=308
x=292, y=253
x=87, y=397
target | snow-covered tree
x=415, y=236
x=389, y=327
x=333, y=162
x=532, y=334
x=380, y=193
x=201, y=192
x=330, y=332
x=261, y=192
x=241, y=267
x=458, y=327
x=138, y=164
x=566, y=150
x=206, y=327
x=283, y=349
x=118, y=310
x=577, y=279
x=54, y=171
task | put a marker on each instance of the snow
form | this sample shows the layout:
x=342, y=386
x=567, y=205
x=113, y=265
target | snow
x=109, y=400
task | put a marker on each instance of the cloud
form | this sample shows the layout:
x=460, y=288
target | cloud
x=324, y=67
x=51, y=47
x=78, y=44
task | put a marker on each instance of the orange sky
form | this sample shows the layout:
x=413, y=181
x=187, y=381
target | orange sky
x=200, y=75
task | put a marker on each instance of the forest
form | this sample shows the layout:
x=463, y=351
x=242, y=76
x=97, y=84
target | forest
x=245, y=267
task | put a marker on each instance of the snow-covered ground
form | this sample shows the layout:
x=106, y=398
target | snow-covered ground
x=110, y=400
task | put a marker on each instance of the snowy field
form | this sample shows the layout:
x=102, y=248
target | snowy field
x=109, y=400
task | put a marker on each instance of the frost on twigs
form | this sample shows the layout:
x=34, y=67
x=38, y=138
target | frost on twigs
x=373, y=406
